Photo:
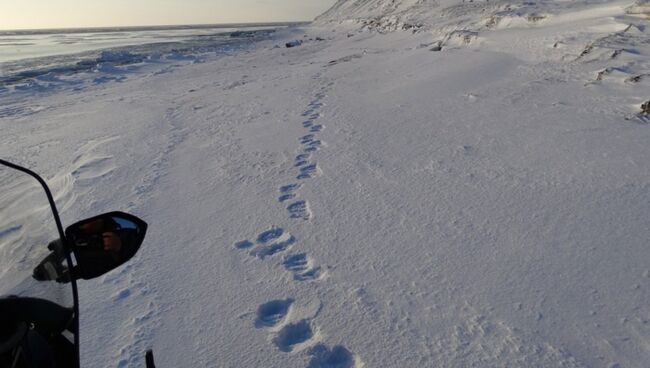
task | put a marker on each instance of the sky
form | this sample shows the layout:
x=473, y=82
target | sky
x=36, y=14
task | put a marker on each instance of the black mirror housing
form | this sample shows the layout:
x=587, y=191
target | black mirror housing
x=103, y=243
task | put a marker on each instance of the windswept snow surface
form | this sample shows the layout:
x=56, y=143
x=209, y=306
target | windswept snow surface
x=364, y=201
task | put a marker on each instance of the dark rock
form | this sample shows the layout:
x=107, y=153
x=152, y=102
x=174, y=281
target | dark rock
x=295, y=43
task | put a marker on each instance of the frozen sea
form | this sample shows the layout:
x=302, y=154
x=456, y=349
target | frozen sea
x=27, y=54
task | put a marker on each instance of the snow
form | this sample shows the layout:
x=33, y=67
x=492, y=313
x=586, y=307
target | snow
x=364, y=201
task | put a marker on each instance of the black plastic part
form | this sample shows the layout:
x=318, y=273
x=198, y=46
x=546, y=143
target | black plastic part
x=149, y=359
x=14, y=337
x=37, y=351
x=59, y=226
x=48, y=316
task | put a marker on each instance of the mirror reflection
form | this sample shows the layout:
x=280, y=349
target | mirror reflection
x=103, y=243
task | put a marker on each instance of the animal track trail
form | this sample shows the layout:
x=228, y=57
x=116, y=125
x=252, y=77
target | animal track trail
x=275, y=315
x=301, y=265
x=306, y=167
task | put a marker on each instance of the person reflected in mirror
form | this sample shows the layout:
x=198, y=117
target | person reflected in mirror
x=105, y=238
x=106, y=230
x=103, y=243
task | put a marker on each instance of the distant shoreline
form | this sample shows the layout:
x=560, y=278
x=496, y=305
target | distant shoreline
x=18, y=32
x=26, y=58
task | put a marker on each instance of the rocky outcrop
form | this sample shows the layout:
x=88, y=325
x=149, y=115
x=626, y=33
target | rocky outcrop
x=640, y=7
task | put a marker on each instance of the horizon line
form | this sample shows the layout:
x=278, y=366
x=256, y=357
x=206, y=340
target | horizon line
x=155, y=26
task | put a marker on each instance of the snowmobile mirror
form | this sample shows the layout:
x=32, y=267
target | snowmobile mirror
x=105, y=242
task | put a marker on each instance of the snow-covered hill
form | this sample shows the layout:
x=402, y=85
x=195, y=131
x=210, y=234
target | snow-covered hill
x=611, y=36
x=418, y=15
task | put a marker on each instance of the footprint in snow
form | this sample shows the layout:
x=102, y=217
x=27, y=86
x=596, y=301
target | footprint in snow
x=312, y=146
x=294, y=335
x=244, y=244
x=276, y=247
x=272, y=313
x=314, y=143
x=307, y=138
x=124, y=294
x=309, y=275
x=287, y=192
x=337, y=357
x=269, y=242
x=301, y=159
x=269, y=235
x=303, y=156
x=307, y=171
x=302, y=267
x=274, y=241
x=299, y=210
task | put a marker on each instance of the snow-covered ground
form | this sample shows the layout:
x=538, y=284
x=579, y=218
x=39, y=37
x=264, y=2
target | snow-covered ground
x=469, y=193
